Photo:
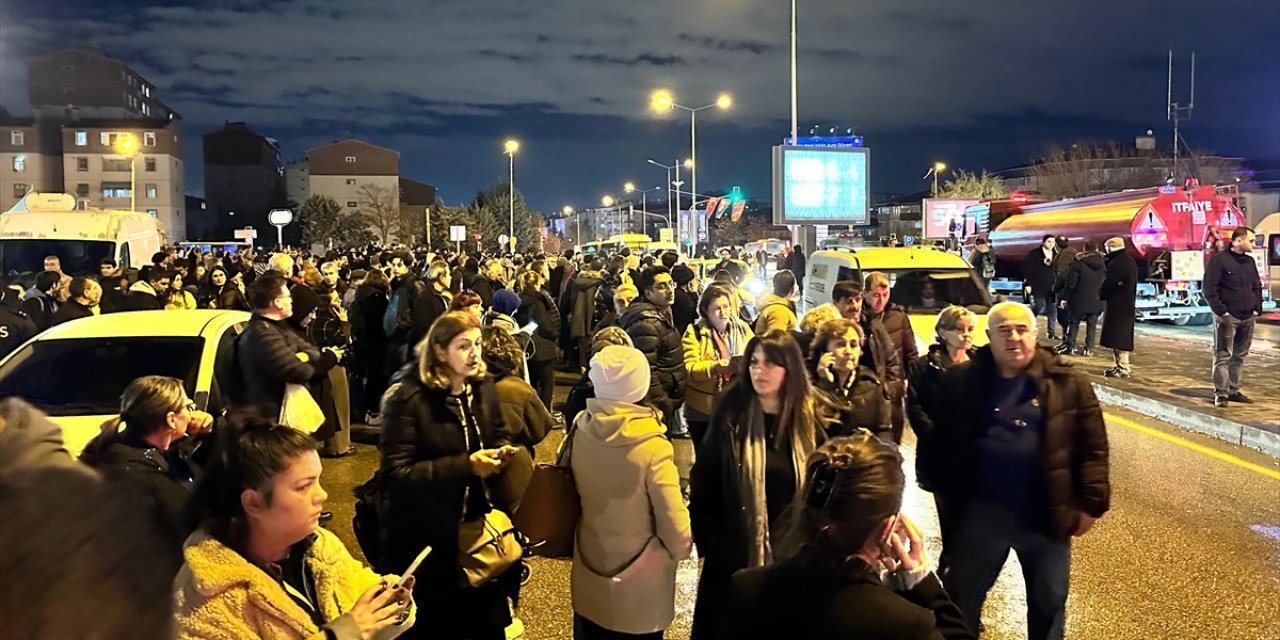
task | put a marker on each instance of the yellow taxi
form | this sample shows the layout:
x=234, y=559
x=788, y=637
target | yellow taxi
x=924, y=280
x=76, y=371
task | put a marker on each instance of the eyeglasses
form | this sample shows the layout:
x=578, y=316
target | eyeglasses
x=663, y=286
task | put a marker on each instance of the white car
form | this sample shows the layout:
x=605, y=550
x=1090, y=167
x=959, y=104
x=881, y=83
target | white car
x=76, y=371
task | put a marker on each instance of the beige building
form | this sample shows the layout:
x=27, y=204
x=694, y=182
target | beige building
x=29, y=161
x=349, y=171
x=98, y=175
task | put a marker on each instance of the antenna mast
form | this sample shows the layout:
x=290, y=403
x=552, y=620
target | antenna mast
x=1174, y=112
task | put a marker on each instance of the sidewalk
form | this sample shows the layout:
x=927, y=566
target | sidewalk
x=1172, y=381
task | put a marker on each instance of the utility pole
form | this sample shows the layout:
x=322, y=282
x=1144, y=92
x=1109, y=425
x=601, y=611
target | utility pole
x=1174, y=111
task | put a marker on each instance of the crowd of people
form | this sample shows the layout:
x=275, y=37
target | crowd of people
x=794, y=498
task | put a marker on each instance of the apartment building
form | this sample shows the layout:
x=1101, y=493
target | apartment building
x=243, y=180
x=29, y=160
x=85, y=82
x=97, y=173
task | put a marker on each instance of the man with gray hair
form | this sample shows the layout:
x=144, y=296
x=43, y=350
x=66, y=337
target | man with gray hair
x=1027, y=468
x=1120, y=291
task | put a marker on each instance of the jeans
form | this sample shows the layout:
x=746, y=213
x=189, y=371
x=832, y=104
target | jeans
x=1073, y=327
x=982, y=539
x=1231, y=340
x=1042, y=305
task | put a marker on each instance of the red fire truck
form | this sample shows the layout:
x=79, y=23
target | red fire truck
x=1170, y=231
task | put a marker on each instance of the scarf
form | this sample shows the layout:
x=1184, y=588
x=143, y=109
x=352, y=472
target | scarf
x=753, y=444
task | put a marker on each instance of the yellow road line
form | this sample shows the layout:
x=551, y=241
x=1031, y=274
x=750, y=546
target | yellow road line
x=1213, y=453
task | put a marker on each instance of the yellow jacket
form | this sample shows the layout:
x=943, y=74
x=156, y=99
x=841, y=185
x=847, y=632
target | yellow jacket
x=700, y=357
x=776, y=314
x=218, y=594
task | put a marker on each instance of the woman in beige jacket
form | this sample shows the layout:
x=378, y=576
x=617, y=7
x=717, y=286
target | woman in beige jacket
x=635, y=525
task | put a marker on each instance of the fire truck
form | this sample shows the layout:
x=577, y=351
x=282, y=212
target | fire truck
x=1170, y=231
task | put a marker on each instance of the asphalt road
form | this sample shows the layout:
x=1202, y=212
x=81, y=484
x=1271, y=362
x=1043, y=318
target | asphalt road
x=1190, y=549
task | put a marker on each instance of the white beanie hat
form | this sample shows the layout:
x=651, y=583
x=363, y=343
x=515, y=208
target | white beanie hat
x=620, y=373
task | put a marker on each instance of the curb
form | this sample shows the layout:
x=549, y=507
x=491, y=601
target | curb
x=1233, y=432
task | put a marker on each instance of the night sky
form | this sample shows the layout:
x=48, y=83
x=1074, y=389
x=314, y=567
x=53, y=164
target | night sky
x=977, y=84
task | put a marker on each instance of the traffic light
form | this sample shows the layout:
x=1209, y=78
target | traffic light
x=736, y=196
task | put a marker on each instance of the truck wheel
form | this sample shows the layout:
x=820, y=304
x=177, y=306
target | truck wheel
x=1180, y=321
x=1202, y=319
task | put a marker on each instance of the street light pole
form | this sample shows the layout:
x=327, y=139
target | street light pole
x=794, y=120
x=511, y=147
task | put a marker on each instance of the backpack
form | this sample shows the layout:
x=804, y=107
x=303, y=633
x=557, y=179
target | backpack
x=392, y=323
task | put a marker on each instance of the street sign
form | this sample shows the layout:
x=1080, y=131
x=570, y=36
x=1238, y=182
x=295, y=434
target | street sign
x=513, y=244
x=502, y=240
x=280, y=217
x=246, y=234
x=458, y=233
x=825, y=141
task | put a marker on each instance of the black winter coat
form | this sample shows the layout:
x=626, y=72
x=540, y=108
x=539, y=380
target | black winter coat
x=861, y=406
x=70, y=310
x=40, y=310
x=653, y=332
x=1232, y=285
x=925, y=378
x=1084, y=282
x=902, y=339
x=609, y=283
x=1120, y=292
x=1061, y=265
x=581, y=298
x=539, y=307
x=1038, y=275
x=685, y=309
x=881, y=355
x=267, y=358
x=412, y=313
x=1073, y=454
x=429, y=488
x=15, y=329
x=812, y=597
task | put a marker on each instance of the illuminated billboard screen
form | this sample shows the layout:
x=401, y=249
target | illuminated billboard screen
x=943, y=217
x=820, y=185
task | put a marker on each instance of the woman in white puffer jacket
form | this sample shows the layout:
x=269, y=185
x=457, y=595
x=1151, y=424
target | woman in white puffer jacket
x=635, y=524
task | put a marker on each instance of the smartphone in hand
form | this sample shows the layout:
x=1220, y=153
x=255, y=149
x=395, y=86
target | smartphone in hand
x=426, y=551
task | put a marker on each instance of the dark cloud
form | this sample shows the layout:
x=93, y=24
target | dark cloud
x=979, y=84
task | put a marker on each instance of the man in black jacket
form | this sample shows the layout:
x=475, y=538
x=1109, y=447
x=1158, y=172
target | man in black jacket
x=42, y=300
x=1234, y=292
x=407, y=318
x=85, y=294
x=653, y=330
x=15, y=327
x=270, y=353
x=1037, y=287
x=145, y=294
x=1027, y=468
x=1081, y=299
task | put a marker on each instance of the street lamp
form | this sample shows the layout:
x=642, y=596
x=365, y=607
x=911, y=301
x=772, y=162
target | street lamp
x=938, y=167
x=662, y=100
x=127, y=145
x=510, y=149
x=577, y=223
x=644, y=203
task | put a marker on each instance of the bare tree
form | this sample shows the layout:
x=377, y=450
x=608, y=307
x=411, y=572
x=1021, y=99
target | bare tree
x=970, y=185
x=378, y=207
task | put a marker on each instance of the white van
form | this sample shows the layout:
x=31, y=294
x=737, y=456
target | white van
x=1269, y=237
x=48, y=224
x=912, y=271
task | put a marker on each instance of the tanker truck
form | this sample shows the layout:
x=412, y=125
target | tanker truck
x=1170, y=232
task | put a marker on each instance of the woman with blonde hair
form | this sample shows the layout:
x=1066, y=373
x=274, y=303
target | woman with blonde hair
x=442, y=438
x=954, y=346
x=137, y=451
x=812, y=321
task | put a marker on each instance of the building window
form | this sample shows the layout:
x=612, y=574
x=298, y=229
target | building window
x=351, y=180
x=19, y=189
x=146, y=91
x=17, y=138
x=82, y=164
x=150, y=164
x=146, y=109
x=353, y=204
x=351, y=159
x=153, y=213
x=151, y=190
x=113, y=190
x=82, y=189
x=20, y=162
x=115, y=164
x=149, y=138
x=82, y=205
x=82, y=138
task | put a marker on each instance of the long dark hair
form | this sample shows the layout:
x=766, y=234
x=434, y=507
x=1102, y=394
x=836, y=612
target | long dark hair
x=853, y=485
x=251, y=450
x=798, y=410
x=145, y=406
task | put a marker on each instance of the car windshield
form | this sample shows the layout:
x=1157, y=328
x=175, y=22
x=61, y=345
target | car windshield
x=26, y=257
x=81, y=377
x=932, y=290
